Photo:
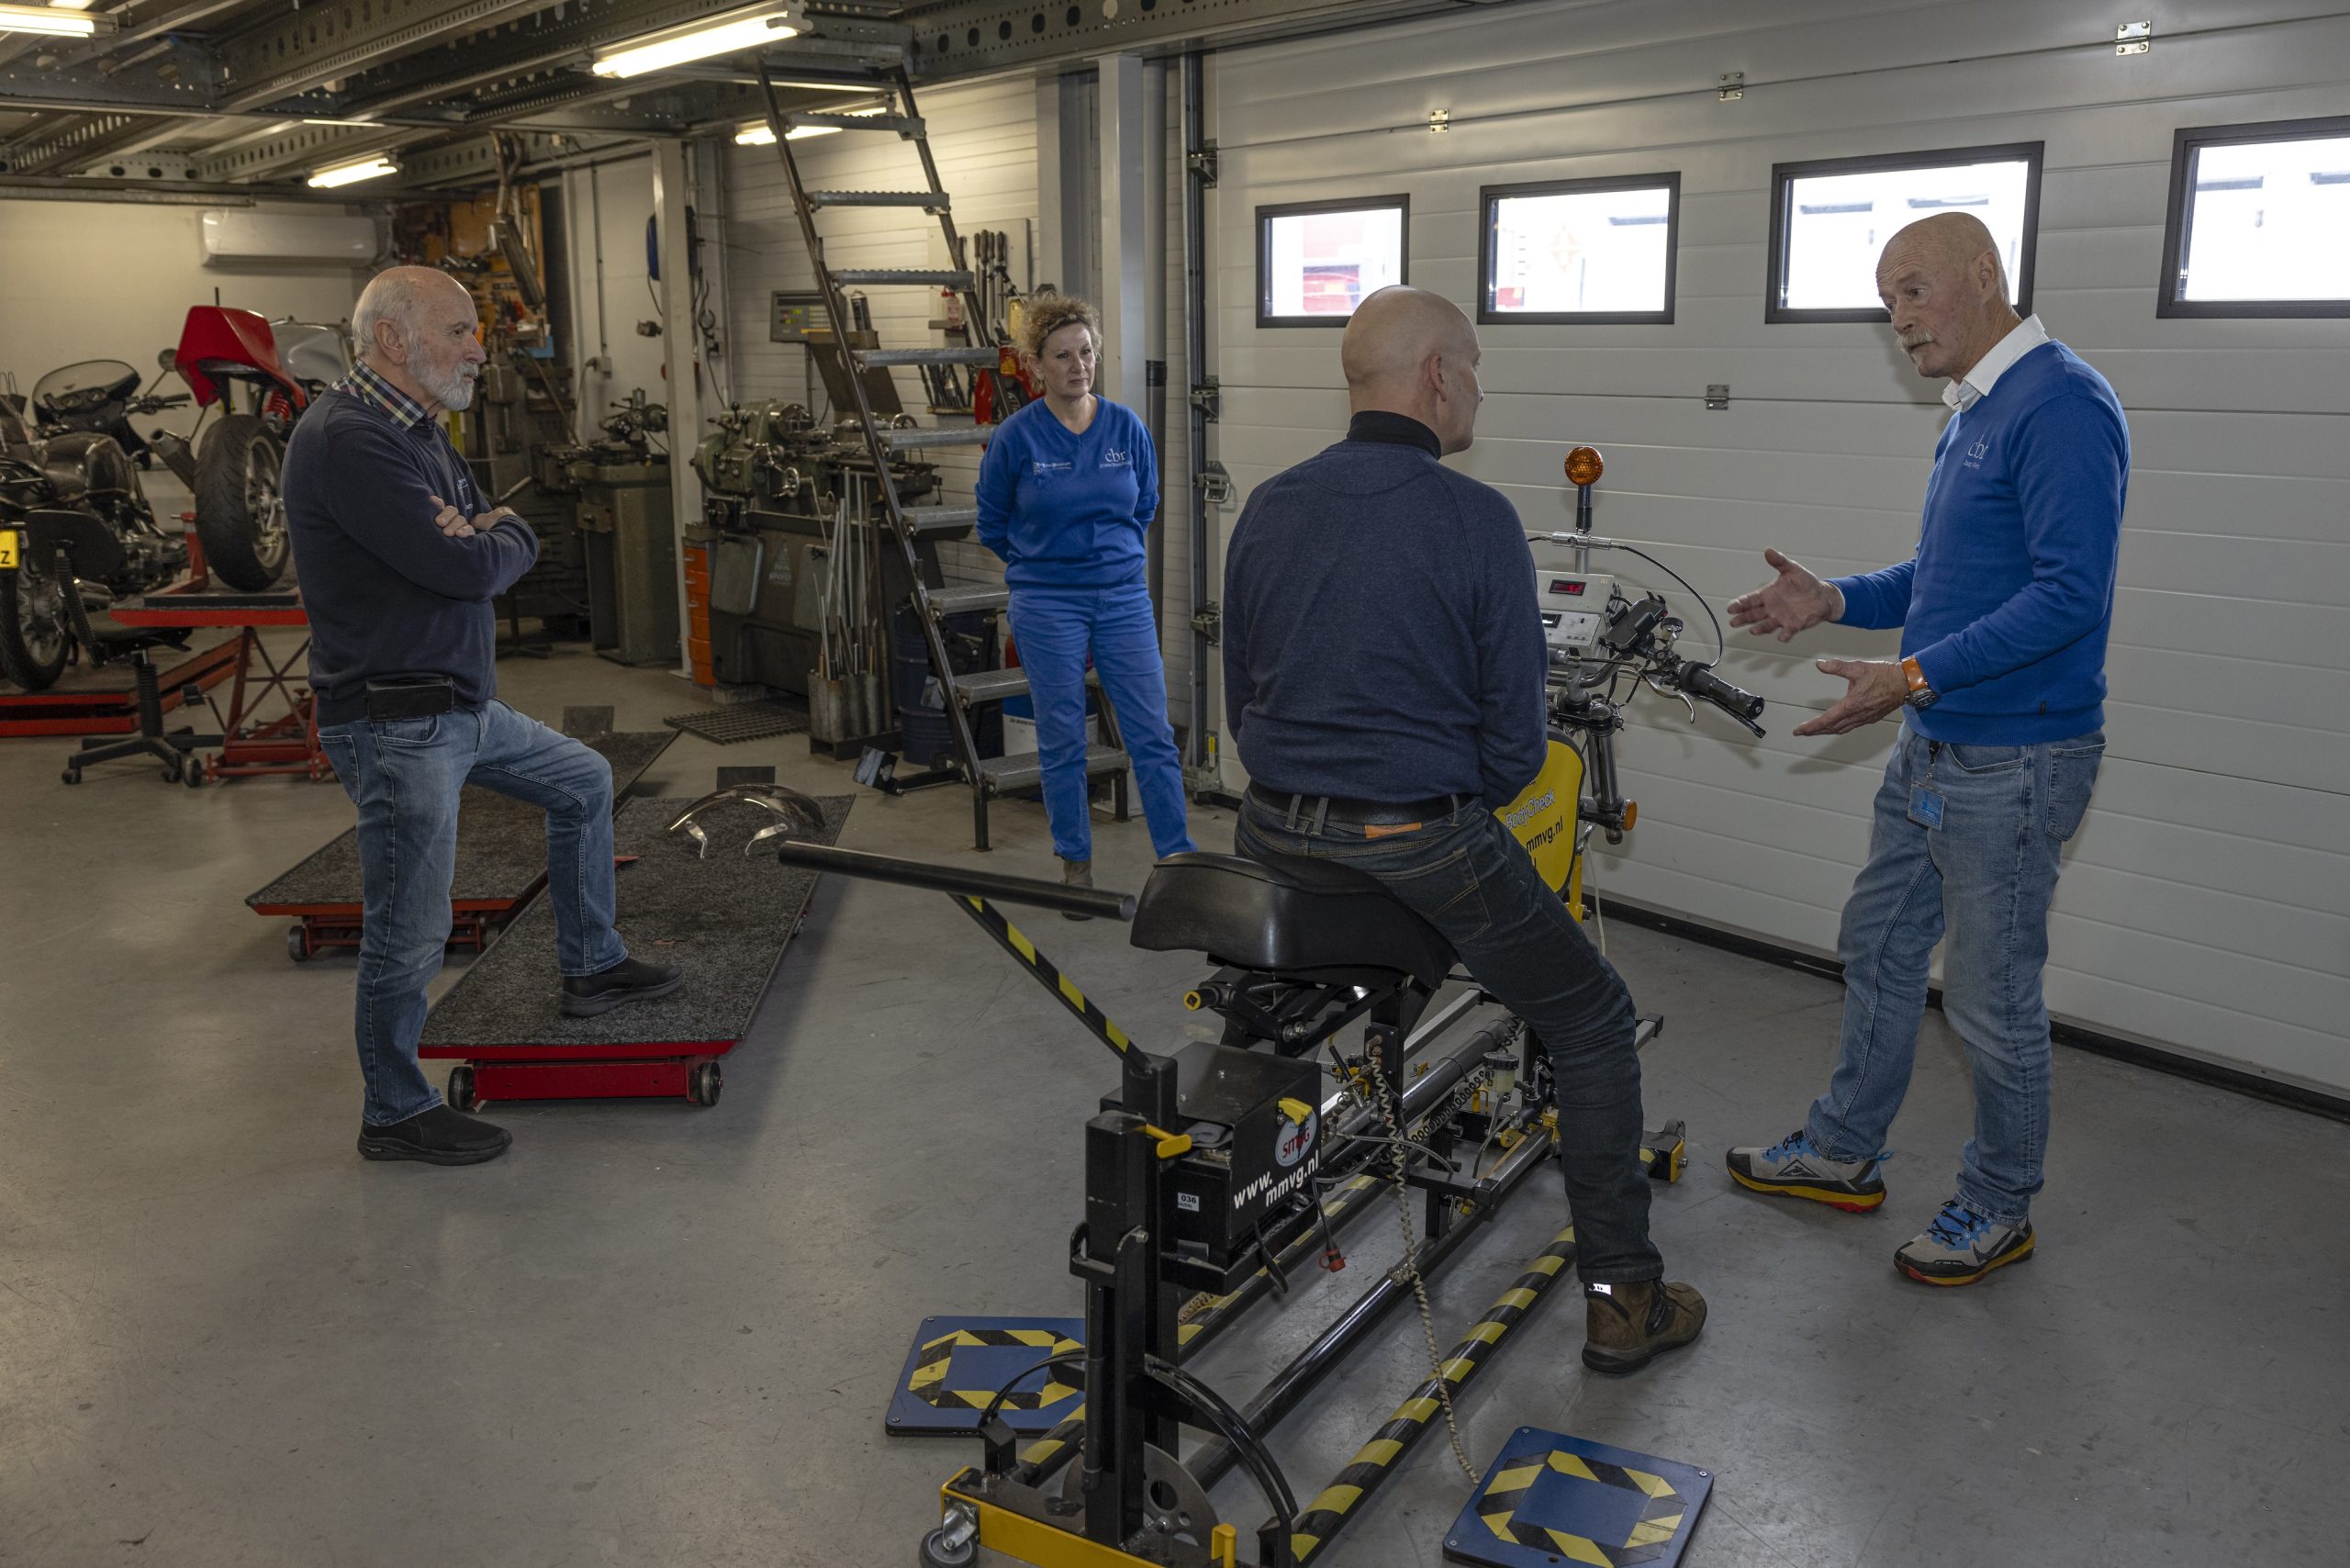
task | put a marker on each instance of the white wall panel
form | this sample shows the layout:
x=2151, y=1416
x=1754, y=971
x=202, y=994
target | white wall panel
x=2207, y=905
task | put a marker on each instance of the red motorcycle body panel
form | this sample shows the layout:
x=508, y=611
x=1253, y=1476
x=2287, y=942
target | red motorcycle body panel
x=221, y=343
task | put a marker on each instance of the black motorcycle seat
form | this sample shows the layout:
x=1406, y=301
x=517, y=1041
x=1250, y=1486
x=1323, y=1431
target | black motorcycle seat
x=1286, y=915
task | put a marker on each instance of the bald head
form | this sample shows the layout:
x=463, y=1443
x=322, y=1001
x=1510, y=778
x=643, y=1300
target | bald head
x=1407, y=350
x=416, y=327
x=1942, y=279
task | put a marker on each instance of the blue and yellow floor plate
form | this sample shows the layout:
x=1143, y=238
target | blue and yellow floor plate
x=1550, y=1499
x=957, y=1363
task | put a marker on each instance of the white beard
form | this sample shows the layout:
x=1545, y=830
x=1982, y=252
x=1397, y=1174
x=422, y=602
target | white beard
x=456, y=394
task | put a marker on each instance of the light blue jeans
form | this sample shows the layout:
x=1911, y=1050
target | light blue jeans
x=406, y=775
x=1985, y=878
x=1055, y=629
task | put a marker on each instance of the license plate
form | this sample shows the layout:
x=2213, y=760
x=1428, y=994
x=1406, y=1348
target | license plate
x=8, y=553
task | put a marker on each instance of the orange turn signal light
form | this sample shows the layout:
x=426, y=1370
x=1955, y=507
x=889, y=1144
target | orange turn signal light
x=1584, y=466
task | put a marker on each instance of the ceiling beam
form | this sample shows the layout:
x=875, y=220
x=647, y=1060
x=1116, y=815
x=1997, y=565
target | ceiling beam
x=972, y=37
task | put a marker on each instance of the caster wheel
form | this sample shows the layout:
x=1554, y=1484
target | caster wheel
x=298, y=944
x=936, y=1553
x=703, y=1088
x=194, y=775
x=461, y=1089
x=71, y=776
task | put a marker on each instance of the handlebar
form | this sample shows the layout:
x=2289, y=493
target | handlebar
x=1700, y=680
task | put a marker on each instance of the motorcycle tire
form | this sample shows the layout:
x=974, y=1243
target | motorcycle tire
x=35, y=638
x=239, y=504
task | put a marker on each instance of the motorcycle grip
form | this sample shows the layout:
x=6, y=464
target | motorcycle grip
x=1700, y=680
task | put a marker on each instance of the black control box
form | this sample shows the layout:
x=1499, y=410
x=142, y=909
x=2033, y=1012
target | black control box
x=1255, y=1126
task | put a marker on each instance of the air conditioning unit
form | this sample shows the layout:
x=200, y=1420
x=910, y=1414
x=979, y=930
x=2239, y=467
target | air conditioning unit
x=240, y=237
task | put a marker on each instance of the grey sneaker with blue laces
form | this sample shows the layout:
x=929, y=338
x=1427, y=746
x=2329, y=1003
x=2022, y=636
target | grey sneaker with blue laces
x=1962, y=1246
x=1793, y=1168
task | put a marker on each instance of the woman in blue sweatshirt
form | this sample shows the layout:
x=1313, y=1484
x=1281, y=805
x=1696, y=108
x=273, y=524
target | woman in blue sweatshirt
x=1066, y=491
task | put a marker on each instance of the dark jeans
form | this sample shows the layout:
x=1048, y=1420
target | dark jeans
x=1468, y=878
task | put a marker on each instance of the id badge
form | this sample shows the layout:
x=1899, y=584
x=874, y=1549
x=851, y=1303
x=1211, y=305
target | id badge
x=1926, y=807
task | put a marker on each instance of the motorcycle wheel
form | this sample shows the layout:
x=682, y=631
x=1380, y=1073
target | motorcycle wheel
x=34, y=640
x=239, y=507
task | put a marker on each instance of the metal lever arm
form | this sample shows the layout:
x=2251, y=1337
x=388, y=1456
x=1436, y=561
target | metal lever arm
x=1033, y=891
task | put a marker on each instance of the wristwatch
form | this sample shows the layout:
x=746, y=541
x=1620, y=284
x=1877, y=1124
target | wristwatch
x=1921, y=694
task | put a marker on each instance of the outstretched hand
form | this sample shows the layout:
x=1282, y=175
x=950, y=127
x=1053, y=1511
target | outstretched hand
x=1793, y=601
x=1877, y=687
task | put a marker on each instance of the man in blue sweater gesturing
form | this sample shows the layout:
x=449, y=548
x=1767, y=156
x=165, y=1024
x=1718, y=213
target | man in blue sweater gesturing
x=1383, y=668
x=2004, y=613
x=399, y=559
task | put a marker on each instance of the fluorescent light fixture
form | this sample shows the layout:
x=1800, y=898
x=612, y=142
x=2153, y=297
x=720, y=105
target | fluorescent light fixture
x=864, y=89
x=372, y=125
x=728, y=34
x=69, y=4
x=55, y=22
x=372, y=168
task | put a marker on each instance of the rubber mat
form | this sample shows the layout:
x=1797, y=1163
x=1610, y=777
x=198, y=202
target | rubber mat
x=501, y=842
x=723, y=920
x=744, y=720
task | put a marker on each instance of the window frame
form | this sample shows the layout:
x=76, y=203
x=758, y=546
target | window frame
x=1265, y=215
x=1489, y=202
x=2032, y=154
x=2178, y=223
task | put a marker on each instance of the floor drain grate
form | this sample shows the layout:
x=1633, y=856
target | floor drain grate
x=743, y=721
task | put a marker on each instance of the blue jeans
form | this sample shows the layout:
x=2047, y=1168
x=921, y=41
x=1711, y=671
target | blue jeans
x=405, y=776
x=1468, y=878
x=1055, y=628
x=1985, y=877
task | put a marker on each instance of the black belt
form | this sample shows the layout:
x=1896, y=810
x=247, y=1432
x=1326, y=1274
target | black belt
x=1314, y=810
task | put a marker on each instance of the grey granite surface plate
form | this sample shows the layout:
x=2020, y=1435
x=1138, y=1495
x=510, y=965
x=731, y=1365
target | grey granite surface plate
x=723, y=920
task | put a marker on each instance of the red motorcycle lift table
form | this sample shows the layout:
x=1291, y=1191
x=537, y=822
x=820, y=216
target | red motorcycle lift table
x=501, y=861
x=724, y=920
x=285, y=742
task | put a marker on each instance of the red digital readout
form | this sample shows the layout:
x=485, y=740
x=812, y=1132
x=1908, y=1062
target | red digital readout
x=1571, y=586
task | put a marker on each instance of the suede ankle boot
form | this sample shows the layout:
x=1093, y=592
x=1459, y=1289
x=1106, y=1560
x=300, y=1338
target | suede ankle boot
x=1075, y=874
x=1629, y=1325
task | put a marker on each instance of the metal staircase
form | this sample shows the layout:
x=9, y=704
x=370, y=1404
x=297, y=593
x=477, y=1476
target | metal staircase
x=963, y=693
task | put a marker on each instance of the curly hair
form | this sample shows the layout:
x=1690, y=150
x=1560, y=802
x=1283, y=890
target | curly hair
x=1045, y=314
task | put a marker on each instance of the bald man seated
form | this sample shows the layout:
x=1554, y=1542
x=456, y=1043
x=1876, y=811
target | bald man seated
x=399, y=559
x=1383, y=667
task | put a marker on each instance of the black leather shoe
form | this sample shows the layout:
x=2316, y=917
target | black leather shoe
x=631, y=979
x=438, y=1136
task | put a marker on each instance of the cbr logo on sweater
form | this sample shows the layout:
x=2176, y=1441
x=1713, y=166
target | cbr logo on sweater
x=1117, y=457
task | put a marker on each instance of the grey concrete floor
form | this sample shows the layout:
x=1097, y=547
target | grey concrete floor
x=659, y=1335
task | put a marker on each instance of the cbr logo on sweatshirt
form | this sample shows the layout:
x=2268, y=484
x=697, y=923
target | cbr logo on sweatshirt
x=1976, y=453
x=1117, y=457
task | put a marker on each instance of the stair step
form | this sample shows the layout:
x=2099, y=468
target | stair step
x=933, y=200
x=928, y=522
x=1003, y=775
x=883, y=277
x=924, y=440
x=958, y=600
x=900, y=124
x=874, y=359
x=991, y=685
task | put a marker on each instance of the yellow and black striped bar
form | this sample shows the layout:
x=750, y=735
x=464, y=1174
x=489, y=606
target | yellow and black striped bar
x=1376, y=1459
x=1014, y=941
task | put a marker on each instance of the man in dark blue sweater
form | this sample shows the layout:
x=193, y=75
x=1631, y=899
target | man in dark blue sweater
x=399, y=560
x=2004, y=612
x=1383, y=667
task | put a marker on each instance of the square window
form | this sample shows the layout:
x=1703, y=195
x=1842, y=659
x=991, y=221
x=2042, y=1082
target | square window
x=1830, y=220
x=2259, y=221
x=1598, y=251
x=1316, y=260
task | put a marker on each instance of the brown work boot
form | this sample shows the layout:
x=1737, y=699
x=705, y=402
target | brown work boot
x=1629, y=1325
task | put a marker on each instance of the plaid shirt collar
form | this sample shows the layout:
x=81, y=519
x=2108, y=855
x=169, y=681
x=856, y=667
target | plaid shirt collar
x=366, y=384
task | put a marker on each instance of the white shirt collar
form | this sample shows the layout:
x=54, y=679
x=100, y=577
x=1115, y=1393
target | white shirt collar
x=2026, y=336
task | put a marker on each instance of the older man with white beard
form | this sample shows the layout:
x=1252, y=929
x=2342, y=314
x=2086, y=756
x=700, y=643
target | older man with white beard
x=399, y=559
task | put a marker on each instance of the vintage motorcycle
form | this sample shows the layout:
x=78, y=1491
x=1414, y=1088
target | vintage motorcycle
x=76, y=530
x=282, y=367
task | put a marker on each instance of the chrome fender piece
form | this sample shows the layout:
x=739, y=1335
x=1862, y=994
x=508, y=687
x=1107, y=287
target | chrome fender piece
x=797, y=816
